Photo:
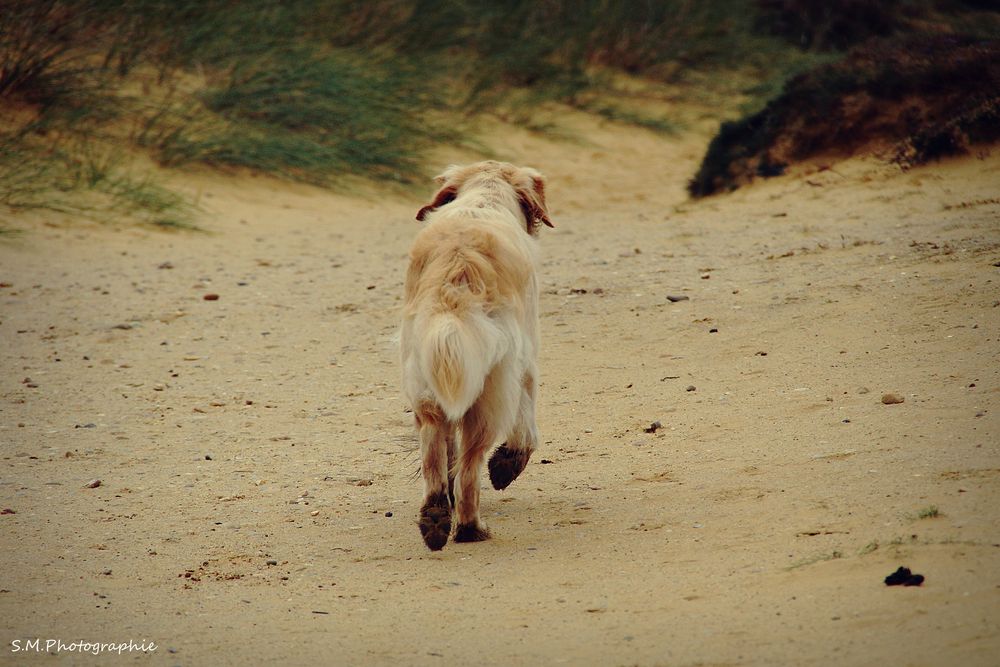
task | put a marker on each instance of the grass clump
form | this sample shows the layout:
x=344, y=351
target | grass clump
x=307, y=116
x=85, y=180
x=929, y=512
x=60, y=64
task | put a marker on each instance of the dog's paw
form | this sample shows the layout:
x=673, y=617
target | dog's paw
x=506, y=464
x=471, y=532
x=435, y=521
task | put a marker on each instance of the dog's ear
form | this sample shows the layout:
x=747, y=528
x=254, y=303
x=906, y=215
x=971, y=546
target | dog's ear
x=449, y=181
x=444, y=195
x=532, y=200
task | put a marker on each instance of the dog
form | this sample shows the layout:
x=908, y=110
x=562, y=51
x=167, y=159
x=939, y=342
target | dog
x=469, y=338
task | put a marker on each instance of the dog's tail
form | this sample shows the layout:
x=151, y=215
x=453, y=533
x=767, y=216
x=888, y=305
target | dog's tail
x=459, y=353
x=462, y=342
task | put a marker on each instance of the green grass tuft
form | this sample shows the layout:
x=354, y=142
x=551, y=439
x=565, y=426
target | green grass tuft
x=79, y=178
x=929, y=512
x=307, y=116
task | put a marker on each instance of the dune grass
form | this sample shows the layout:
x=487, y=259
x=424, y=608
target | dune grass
x=929, y=512
x=93, y=181
x=322, y=91
x=315, y=90
x=308, y=116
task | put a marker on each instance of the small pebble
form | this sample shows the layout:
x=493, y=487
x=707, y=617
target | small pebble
x=675, y=298
x=211, y=297
x=272, y=562
x=892, y=399
x=314, y=513
x=92, y=484
x=690, y=387
x=208, y=457
x=388, y=514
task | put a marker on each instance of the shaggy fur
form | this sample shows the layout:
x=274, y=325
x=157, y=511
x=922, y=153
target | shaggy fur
x=470, y=337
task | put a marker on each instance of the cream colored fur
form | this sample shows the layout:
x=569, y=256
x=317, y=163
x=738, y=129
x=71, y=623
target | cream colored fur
x=469, y=339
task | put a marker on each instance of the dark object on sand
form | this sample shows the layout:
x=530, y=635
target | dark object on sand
x=903, y=577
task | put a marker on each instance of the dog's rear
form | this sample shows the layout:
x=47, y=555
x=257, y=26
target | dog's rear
x=470, y=338
x=462, y=297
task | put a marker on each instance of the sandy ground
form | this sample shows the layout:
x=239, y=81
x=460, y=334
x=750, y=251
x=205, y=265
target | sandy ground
x=755, y=527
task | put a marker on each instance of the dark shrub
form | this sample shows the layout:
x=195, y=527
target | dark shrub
x=937, y=92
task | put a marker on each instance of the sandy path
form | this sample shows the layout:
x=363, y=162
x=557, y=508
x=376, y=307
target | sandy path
x=755, y=527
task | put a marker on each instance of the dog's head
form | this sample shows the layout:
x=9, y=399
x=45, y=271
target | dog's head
x=527, y=184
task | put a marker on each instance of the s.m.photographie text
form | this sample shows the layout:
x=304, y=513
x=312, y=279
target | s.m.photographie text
x=57, y=646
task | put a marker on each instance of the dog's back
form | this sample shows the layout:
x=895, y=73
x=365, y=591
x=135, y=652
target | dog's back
x=470, y=302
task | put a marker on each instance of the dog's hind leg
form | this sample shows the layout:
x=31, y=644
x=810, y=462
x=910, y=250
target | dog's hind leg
x=452, y=465
x=477, y=436
x=435, y=514
x=511, y=457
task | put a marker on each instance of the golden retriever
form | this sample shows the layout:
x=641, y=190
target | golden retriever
x=469, y=338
